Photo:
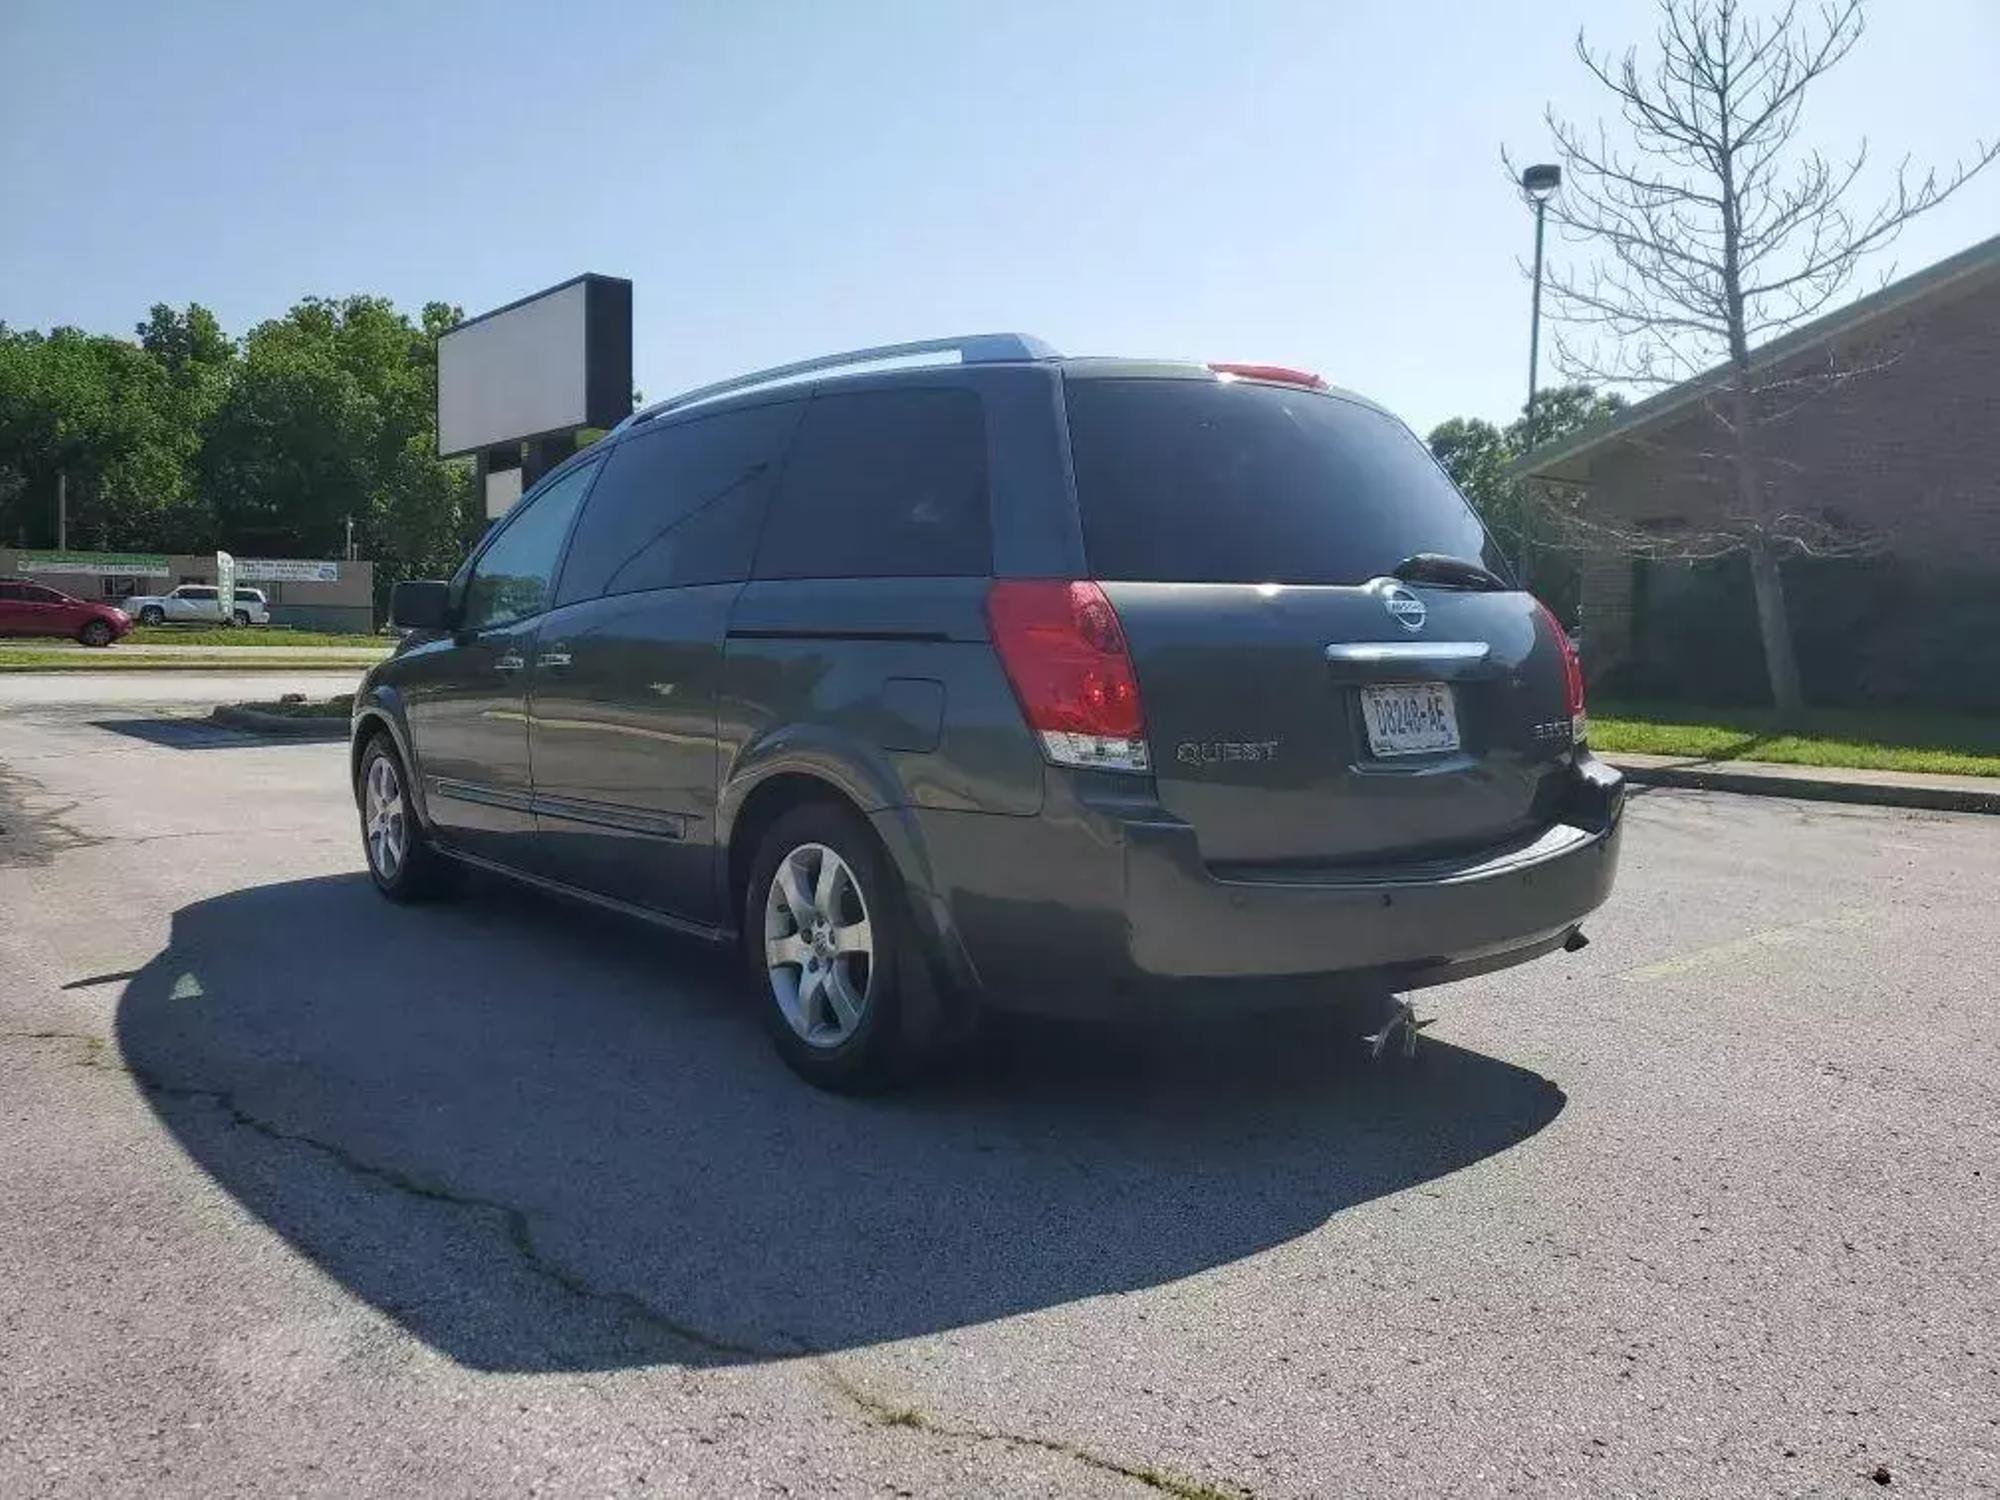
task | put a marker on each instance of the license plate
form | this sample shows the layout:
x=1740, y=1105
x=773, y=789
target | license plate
x=1410, y=718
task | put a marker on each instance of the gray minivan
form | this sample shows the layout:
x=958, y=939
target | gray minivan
x=960, y=674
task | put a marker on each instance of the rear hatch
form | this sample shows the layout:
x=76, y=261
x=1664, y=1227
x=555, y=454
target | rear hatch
x=1303, y=706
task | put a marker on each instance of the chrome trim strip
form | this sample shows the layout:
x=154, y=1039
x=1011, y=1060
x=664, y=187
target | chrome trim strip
x=613, y=815
x=484, y=796
x=1404, y=651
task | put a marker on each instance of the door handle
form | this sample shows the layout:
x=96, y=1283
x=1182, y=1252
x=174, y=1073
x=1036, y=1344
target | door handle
x=509, y=663
x=552, y=659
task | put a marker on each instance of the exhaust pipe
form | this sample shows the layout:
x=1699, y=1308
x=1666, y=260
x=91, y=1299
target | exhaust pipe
x=1576, y=942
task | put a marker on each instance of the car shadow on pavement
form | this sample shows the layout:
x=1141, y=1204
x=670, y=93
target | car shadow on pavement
x=541, y=1138
x=181, y=732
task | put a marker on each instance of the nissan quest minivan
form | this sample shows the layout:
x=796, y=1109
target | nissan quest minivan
x=961, y=675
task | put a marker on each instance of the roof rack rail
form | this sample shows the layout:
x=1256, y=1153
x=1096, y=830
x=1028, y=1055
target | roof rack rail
x=971, y=349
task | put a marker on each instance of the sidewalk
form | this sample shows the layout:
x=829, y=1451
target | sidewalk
x=1755, y=778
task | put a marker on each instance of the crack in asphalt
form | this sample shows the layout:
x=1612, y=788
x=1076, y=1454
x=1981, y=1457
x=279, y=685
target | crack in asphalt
x=35, y=835
x=519, y=1234
x=880, y=1413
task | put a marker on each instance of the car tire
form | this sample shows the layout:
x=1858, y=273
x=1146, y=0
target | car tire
x=152, y=614
x=95, y=633
x=400, y=858
x=243, y=618
x=799, y=971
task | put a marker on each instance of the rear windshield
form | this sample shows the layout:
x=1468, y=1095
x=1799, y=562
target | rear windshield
x=1197, y=481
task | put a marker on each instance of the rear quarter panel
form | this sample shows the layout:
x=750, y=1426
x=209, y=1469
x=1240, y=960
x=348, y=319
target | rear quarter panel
x=885, y=686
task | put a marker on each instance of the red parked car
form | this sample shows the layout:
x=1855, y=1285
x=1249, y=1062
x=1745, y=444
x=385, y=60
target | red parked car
x=35, y=609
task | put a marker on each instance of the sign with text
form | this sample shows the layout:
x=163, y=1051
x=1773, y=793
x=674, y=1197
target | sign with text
x=105, y=564
x=225, y=584
x=286, y=570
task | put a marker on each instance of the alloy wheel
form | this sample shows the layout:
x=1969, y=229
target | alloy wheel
x=818, y=945
x=386, y=824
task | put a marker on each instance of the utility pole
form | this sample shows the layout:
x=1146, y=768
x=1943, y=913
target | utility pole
x=62, y=511
x=350, y=539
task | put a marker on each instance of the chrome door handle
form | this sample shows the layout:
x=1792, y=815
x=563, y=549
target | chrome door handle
x=509, y=663
x=552, y=659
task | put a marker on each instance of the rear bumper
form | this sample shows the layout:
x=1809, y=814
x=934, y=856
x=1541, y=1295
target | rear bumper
x=1085, y=910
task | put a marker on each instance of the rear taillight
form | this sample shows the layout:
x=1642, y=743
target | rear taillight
x=1064, y=651
x=1579, y=721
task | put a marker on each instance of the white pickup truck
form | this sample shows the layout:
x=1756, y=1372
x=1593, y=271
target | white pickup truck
x=198, y=603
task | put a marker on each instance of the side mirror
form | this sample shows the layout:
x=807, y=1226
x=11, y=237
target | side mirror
x=424, y=604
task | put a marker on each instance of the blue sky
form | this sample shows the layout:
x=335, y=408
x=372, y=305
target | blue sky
x=1314, y=183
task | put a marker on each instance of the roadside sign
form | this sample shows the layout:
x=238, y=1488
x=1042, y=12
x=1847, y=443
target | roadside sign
x=107, y=564
x=286, y=570
x=225, y=585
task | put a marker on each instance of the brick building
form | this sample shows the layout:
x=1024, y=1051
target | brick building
x=1891, y=431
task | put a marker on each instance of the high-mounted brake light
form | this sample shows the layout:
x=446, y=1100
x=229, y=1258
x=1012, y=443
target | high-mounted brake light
x=1064, y=652
x=1579, y=721
x=1281, y=374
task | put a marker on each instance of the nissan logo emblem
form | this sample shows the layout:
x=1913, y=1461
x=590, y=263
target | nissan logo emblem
x=1404, y=607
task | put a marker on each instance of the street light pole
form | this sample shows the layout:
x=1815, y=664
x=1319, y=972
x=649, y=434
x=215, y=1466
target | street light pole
x=1539, y=183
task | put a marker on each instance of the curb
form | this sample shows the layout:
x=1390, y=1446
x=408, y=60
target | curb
x=238, y=665
x=1814, y=788
x=279, y=726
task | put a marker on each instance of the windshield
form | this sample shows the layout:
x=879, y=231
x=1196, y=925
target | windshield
x=1200, y=481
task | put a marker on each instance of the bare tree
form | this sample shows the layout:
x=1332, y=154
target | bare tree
x=1709, y=229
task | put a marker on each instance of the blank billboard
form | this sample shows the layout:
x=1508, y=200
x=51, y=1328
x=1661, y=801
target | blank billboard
x=549, y=363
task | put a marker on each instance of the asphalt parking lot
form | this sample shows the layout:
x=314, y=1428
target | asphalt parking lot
x=301, y=1192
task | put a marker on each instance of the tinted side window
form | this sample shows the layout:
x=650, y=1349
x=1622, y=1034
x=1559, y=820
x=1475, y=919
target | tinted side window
x=14, y=591
x=36, y=594
x=884, y=484
x=199, y=594
x=511, y=579
x=678, y=506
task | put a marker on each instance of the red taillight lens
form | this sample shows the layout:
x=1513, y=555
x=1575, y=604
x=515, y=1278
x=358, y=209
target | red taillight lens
x=1064, y=651
x=1282, y=374
x=1579, y=722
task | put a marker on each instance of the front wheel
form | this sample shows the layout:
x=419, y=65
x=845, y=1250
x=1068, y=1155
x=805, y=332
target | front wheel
x=243, y=618
x=95, y=633
x=152, y=614
x=401, y=861
x=827, y=945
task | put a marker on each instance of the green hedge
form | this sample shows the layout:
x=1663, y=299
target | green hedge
x=1867, y=631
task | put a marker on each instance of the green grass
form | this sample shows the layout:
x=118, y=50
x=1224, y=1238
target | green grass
x=340, y=707
x=276, y=637
x=1866, y=739
x=30, y=660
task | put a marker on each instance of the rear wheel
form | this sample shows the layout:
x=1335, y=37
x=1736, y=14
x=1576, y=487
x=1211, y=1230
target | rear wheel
x=152, y=614
x=828, y=946
x=95, y=633
x=401, y=861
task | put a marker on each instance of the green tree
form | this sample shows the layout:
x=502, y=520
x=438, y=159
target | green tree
x=201, y=364
x=98, y=412
x=185, y=440
x=1480, y=458
x=332, y=420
